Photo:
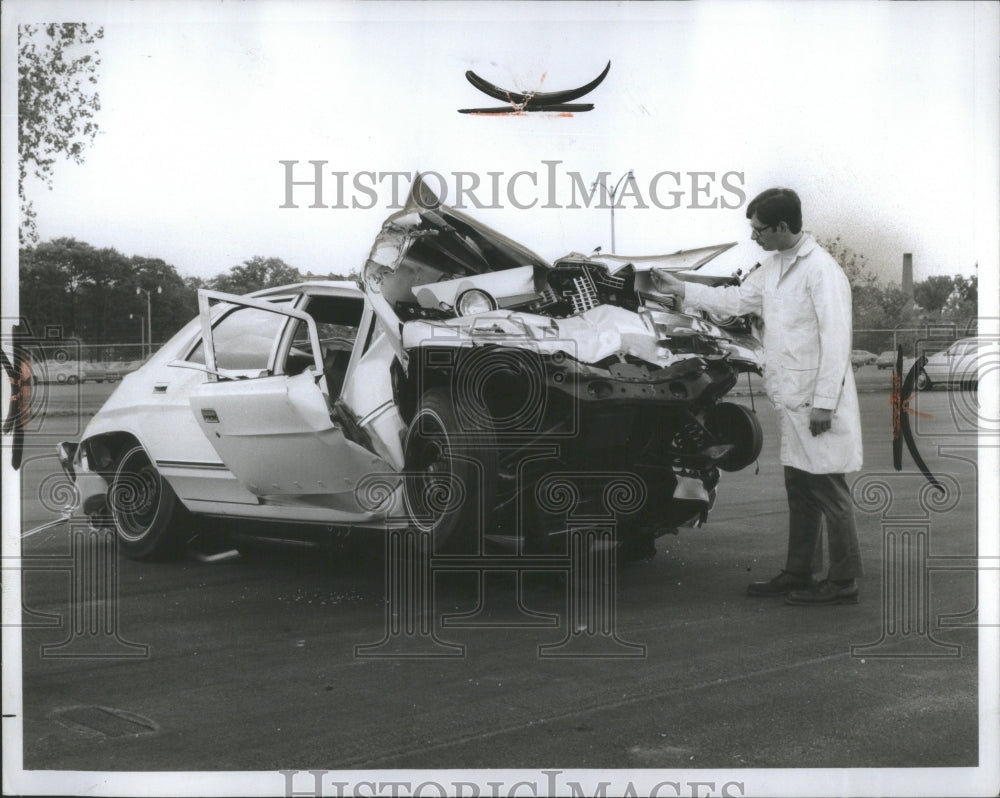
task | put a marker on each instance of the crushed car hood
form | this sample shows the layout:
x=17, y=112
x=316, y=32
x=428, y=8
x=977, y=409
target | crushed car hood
x=428, y=258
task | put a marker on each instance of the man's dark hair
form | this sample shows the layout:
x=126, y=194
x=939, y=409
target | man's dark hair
x=777, y=205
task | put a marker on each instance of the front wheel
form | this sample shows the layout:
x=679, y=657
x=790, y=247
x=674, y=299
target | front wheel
x=147, y=515
x=923, y=382
x=450, y=482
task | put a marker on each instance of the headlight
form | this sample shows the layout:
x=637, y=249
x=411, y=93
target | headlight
x=474, y=301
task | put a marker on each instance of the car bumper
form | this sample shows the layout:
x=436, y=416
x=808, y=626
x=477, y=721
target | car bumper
x=91, y=487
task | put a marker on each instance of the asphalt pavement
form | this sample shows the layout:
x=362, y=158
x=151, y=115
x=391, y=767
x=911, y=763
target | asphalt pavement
x=302, y=657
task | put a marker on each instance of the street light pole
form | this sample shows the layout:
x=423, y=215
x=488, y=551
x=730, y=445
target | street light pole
x=149, y=314
x=142, y=332
x=614, y=193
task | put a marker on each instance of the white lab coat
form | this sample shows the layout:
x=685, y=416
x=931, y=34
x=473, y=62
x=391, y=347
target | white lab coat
x=806, y=309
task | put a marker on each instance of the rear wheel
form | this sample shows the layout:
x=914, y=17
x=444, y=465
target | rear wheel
x=450, y=485
x=146, y=513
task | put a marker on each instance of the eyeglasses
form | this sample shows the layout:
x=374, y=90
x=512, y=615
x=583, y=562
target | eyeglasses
x=758, y=230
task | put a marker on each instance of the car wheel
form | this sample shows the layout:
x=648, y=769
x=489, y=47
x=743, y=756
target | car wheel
x=72, y=379
x=450, y=483
x=923, y=382
x=144, y=509
x=730, y=423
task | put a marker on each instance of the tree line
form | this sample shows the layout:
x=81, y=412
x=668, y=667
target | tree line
x=951, y=301
x=100, y=295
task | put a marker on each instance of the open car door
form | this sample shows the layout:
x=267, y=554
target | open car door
x=266, y=407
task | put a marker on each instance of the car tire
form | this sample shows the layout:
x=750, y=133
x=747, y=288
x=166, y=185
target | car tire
x=72, y=379
x=924, y=382
x=145, y=511
x=450, y=479
x=735, y=424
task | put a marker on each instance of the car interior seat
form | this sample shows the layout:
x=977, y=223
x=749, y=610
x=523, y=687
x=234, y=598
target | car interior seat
x=335, y=362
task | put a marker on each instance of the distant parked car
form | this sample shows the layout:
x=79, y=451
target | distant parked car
x=859, y=358
x=959, y=364
x=101, y=373
x=60, y=373
x=887, y=359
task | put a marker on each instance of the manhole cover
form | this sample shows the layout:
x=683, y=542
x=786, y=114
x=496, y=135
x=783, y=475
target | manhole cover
x=104, y=721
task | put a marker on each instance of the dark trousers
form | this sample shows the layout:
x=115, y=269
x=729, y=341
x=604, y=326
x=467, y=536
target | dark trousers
x=811, y=498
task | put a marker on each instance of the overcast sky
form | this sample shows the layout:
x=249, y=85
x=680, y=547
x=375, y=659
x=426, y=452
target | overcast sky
x=883, y=117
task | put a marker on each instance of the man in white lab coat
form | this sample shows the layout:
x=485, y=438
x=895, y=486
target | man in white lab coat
x=804, y=299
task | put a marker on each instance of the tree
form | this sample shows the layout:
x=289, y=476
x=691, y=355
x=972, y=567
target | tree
x=875, y=306
x=932, y=294
x=855, y=266
x=172, y=302
x=963, y=303
x=255, y=274
x=88, y=293
x=56, y=103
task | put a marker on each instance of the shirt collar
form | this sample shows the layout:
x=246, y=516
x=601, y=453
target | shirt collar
x=803, y=247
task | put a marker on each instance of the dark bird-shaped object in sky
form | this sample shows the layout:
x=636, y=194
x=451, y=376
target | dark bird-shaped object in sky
x=520, y=102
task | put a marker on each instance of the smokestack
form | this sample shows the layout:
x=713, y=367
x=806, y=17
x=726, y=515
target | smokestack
x=908, y=274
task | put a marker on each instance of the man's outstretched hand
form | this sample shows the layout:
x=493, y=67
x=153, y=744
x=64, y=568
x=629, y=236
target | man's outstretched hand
x=666, y=283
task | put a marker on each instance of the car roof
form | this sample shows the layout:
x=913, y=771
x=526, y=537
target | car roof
x=313, y=287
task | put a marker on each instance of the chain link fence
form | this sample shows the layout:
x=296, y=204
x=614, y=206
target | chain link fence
x=928, y=339
x=69, y=362
x=72, y=362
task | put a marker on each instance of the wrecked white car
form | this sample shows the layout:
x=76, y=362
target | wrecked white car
x=466, y=388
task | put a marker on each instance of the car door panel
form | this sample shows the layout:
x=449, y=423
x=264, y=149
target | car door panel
x=275, y=432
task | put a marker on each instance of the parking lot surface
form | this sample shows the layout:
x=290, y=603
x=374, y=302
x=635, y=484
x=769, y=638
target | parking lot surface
x=293, y=658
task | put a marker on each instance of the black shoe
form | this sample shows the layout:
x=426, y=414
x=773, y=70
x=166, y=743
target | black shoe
x=826, y=592
x=782, y=584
